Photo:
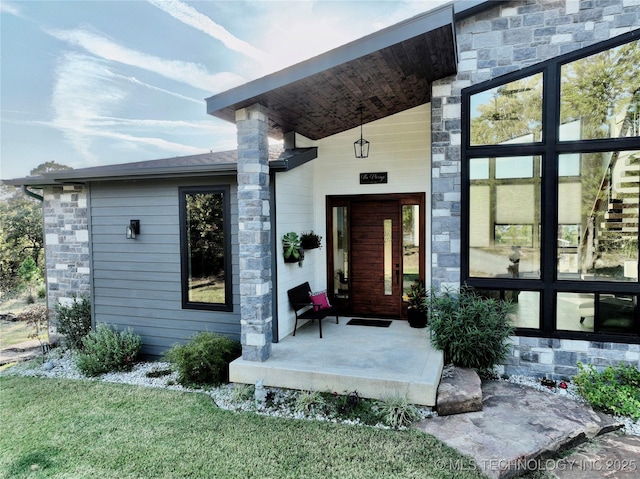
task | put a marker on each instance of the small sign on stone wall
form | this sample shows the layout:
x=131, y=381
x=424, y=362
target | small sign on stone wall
x=373, y=178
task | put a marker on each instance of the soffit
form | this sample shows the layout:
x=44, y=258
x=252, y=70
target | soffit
x=386, y=73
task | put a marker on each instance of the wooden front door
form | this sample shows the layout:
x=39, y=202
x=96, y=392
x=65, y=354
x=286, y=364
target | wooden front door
x=376, y=248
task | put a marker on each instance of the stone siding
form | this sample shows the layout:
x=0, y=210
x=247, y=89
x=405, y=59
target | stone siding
x=557, y=358
x=66, y=231
x=254, y=233
x=504, y=39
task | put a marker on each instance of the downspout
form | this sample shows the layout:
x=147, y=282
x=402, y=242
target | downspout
x=30, y=193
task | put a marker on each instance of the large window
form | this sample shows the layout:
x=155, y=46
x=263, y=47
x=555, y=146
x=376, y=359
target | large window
x=551, y=197
x=206, y=269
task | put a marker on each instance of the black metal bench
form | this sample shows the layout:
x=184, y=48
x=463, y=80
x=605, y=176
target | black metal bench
x=305, y=309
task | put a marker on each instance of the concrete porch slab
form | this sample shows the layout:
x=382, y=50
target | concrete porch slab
x=376, y=362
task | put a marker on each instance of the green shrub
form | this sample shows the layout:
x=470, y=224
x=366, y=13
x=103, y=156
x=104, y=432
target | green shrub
x=42, y=292
x=615, y=390
x=73, y=321
x=309, y=402
x=204, y=360
x=105, y=350
x=471, y=330
x=37, y=317
x=397, y=411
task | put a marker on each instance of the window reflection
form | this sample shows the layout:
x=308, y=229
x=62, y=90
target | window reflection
x=203, y=246
x=341, y=251
x=617, y=313
x=504, y=220
x=599, y=95
x=598, y=218
x=575, y=312
x=510, y=113
x=410, y=245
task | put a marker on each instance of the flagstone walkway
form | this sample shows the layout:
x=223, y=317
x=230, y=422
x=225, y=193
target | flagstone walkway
x=520, y=429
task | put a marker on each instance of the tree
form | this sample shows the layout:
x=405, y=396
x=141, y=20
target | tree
x=21, y=229
x=21, y=237
x=48, y=167
x=206, y=233
x=30, y=274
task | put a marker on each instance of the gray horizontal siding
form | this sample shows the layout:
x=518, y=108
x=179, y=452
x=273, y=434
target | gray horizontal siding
x=137, y=283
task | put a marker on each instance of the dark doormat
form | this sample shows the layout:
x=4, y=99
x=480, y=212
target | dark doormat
x=380, y=323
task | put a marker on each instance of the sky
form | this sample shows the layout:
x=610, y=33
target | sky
x=91, y=83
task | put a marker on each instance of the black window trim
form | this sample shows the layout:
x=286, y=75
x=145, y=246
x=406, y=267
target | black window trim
x=549, y=148
x=184, y=260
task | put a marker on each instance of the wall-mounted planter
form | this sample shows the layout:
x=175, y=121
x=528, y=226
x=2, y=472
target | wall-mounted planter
x=310, y=240
x=292, y=250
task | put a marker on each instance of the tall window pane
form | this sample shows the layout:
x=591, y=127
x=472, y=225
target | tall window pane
x=410, y=245
x=204, y=247
x=504, y=220
x=341, y=251
x=510, y=113
x=600, y=95
x=598, y=217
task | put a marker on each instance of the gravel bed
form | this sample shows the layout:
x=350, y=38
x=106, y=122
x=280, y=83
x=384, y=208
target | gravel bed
x=61, y=364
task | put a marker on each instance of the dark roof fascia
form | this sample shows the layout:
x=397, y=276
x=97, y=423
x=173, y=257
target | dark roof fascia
x=300, y=157
x=148, y=173
x=35, y=181
x=410, y=28
x=466, y=8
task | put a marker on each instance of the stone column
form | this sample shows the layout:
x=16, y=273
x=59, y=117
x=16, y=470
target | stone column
x=66, y=231
x=254, y=233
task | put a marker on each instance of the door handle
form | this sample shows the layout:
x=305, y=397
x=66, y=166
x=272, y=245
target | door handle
x=397, y=274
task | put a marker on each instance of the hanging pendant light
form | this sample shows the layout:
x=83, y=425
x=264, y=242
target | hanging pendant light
x=361, y=146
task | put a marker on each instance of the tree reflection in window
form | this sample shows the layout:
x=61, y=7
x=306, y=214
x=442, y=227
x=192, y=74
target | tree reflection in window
x=204, y=247
x=600, y=95
x=510, y=113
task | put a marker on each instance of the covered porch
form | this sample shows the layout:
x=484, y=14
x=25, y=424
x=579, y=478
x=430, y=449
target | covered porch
x=376, y=362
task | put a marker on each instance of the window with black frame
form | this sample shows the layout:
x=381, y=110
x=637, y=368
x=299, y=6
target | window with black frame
x=206, y=273
x=551, y=197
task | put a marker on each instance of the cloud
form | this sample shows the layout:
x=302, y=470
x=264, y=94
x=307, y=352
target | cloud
x=185, y=72
x=190, y=16
x=82, y=91
x=86, y=93
x=6, y=7
x=135, y=81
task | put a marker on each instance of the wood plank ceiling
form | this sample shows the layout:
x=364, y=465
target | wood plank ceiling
x=385, y=82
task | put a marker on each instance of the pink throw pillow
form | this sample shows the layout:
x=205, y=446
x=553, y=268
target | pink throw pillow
x=320, y=300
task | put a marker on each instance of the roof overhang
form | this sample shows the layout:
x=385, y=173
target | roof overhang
x=222, y=163
x=386, y=72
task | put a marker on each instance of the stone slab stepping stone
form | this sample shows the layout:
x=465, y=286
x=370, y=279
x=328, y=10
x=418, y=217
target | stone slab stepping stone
x=611, y=456
x=459, y=392
x=517, y=425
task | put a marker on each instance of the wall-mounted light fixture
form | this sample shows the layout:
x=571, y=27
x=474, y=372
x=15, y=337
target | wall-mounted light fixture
x=133, y=229
x=361, y=146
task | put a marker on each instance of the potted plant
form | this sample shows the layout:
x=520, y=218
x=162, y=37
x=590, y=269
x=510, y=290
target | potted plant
x=292, y=248
x=310, y=240
x=418, y=308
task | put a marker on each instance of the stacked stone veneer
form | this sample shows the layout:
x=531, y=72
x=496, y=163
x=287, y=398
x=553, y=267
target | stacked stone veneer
x=66, y=231
x=500, y=40
x=557, y=358
x=254, y=233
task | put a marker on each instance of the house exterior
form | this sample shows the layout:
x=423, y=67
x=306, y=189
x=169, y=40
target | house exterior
x=493, y=163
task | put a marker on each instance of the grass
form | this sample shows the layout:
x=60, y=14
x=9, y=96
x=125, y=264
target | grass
x=14, y=332
x=66, y=428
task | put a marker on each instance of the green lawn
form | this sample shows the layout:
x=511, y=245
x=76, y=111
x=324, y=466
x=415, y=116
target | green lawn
x=78, y=429
x=14, y=332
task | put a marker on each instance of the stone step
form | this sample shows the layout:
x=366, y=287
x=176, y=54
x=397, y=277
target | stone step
x=459, y=392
